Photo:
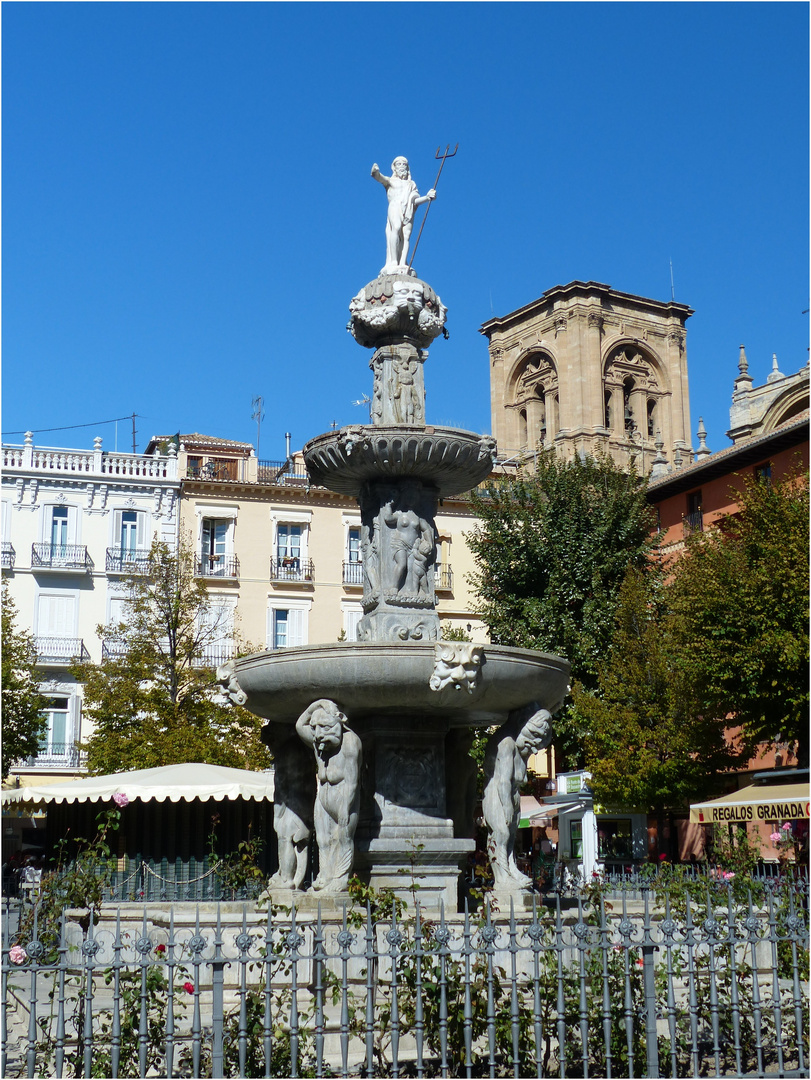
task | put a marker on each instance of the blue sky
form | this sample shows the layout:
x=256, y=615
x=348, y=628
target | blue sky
x=187, y=206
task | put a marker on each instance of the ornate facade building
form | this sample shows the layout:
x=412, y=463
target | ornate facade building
x=74, y=522
x=586, y=368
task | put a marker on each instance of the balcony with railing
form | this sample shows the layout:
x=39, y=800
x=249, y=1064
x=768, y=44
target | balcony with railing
x=64, y=558
x=60, y=651
x=113, y=650
x=282, y=474
x=292, y=569
x=127, y=560
x=693, y=522
x=443, y=578
x=353, y=572
x=212, y=656
x=216, y=566
x=57, y=756
x=8, y=555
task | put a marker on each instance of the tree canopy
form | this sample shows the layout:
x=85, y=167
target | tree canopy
x=551, y=551
x=647, y=745
x=741, y=595
x=23, y=719
x=156, y=702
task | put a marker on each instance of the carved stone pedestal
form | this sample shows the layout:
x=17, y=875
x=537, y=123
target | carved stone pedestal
x=424, y=871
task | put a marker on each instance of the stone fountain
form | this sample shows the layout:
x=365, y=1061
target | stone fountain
x=371, y=737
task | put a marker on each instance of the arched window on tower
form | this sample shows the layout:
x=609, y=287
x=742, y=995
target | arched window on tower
x=608, y=409
x=651, y=417
x=522, y=427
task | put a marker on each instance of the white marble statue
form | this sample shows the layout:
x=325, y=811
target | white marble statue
x=527, y=731
x=403, y=200
x=338, y=756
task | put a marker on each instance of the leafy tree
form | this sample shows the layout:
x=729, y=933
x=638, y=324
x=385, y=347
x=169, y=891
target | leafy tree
x=648, y=748
x=741, y=592
x=23, y=720
x=551, y=552
x=156, y=702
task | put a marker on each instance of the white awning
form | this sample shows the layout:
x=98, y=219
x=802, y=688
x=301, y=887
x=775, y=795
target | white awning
x=529, y=807
x=758, y=802
x=549, y=811
x=175, y=783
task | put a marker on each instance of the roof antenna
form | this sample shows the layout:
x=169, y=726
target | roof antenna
x=287, y=444
x=672, y=290
x=258, y=415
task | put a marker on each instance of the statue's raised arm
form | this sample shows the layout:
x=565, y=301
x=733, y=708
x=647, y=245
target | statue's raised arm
x=403, y=200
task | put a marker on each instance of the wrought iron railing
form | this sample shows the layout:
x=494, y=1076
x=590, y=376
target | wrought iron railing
x=7, y=555
x=281, y=473
x=113, y=650
x=693, y=522
x=711, y=987
x=443, y=578
x=60, y=651
x=353, y=572
x=211, y=656
x=60, y=557
x=292, y=569
x=57, y=755
x=219, y=566
x=127, y=560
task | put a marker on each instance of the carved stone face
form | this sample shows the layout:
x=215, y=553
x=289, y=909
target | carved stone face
x=400, y=167
x=327, y=731
x=408, y=294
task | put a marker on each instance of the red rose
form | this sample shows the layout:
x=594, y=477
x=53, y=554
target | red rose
x=188, y=987
x=160, y=948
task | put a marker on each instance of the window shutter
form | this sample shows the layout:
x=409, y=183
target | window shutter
x=141, y=539
x=297, y=626
x=56, y=616
x=351, y=620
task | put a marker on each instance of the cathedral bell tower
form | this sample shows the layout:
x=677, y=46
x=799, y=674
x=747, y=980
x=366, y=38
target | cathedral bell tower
x=586, y=368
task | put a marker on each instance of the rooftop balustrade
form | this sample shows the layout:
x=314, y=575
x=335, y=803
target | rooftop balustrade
x=87, y=463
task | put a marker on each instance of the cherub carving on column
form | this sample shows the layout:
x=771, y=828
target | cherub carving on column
x=412, y=545
x=293, y=801
x=527, y=731
x=338, y=757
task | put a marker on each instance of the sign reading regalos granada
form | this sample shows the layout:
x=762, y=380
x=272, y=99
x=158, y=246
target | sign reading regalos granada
x=776, y=811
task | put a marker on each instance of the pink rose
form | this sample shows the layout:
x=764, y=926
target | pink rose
x=728, y=875
x=17, y=954
x=786, y=826
x=120, y=799
x=775, y=837
x=188, y=987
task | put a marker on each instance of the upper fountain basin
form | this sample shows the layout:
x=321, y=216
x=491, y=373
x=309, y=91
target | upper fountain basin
x=376, y=679
x=453, y=460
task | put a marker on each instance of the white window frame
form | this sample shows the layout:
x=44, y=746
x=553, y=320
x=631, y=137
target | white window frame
x=351, y=614
x=291, y=517
x=74, y=522
x=212, y=512
x=143, y=527
x=280, y=603
x=58, y=594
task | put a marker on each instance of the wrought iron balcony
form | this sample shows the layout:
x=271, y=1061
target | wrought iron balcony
x=113, y=650
x=8, y=555
x=693, y=522
x=60, y=651
x=61, y=557
x=211, y=656
x=443, y=578
x=58, y=756
x=216, y=566
x=281, y=473
x=127, y=560
x=353, y=573
x=292, y=569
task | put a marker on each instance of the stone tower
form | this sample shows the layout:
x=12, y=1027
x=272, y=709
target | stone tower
x=586, y=368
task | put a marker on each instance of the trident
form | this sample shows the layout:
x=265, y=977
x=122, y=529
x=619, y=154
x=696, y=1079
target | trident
x=441, y=158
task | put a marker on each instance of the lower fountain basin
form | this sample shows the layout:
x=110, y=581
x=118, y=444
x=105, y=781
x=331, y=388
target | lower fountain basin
x=378, y=679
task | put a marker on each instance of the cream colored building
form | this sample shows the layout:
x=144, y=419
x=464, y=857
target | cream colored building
x=283, y=558
x=586, y=368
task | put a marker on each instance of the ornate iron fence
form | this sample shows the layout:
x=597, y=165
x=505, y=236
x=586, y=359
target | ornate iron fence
x=674, y=985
